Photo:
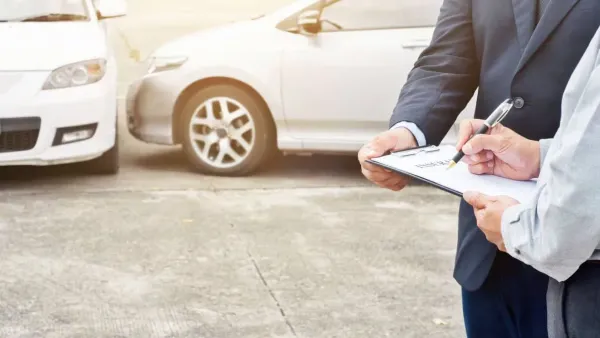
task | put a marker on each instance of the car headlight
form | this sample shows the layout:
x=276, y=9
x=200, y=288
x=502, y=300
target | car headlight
x=162, y=63
x=76, y=74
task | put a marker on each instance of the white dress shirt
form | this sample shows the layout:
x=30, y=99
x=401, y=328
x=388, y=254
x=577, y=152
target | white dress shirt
x=416, y=131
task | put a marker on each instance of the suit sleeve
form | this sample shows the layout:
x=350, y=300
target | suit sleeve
x=560, y=228
x=445, y=76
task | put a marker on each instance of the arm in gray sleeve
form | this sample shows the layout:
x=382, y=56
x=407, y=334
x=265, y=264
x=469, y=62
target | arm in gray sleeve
x=544, y=146
x=559, y=229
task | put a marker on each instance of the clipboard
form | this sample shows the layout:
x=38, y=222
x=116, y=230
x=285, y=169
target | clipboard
x=428, y=164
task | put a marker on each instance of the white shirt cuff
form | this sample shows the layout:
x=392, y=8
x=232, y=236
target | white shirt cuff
x=417, y=133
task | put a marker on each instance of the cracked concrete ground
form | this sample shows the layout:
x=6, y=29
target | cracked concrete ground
x=305, y=249
x=292, y=262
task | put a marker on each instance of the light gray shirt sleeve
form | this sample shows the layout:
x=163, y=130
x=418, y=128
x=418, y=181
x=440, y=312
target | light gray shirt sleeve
x=416, y=131
x=544, y=147
x=559, y=229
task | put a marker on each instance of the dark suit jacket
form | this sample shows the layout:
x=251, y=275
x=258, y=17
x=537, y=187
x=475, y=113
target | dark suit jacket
x=495, y=46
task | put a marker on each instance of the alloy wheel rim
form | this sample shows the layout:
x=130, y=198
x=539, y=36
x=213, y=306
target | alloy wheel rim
x=222, y=132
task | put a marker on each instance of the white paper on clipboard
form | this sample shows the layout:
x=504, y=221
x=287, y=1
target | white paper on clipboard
x=429, y=164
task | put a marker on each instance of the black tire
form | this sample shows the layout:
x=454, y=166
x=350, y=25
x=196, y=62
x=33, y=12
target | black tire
x=263, y=132
x=107, y=163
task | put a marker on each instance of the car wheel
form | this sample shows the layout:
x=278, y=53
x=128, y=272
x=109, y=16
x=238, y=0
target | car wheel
x=107, y=163
x=226, y=131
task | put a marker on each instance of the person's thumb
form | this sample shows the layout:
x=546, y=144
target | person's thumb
x=475, y=199
x=381, y=144
x=371, y=153
x=479, y=143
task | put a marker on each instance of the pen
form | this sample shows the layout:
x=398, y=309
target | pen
x=495, y=118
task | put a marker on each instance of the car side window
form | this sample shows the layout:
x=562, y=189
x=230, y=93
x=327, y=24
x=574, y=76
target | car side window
x=349, y=15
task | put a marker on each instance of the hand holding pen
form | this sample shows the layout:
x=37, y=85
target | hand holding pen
x=500, y=151
x=494, y=119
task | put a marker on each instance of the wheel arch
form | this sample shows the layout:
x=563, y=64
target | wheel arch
x=195, y=86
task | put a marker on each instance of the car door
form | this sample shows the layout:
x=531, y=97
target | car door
x=339, y=86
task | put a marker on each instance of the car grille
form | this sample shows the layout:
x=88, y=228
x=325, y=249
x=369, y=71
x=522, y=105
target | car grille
x=19, y=134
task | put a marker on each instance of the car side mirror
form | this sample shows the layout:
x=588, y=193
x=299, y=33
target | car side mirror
x=309, y=22
x=108, y=9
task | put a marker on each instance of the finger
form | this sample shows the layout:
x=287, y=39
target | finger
x=485, y=168
x=375, y=168
x=394, y=182
x=376, y=148
x=478, y=143
x=399, y=186
x=480, y=157
x=383, y=178
x=376, y=176
x=480, y=214
x=396, y=185
x=382, y=144
x=367, y=153
x=507, y=201
x=475, y=212
x=468, y=160
x=371, y=150
x=393, y=179
x=466, y=130
x=475, y=199
x=464, y=133
x=480, y=219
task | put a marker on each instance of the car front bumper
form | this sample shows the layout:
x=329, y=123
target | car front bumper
x=150, y=107
x=32, y=127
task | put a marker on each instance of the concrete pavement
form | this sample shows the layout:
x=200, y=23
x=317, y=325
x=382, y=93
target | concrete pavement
x=291, y=262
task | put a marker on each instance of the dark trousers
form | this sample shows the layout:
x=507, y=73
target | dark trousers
x=574, y=306
x=510, y=304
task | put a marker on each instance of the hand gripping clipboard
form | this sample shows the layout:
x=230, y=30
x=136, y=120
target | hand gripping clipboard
x=414, y=152
x=429, y=164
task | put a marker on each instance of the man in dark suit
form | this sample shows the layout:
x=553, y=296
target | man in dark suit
x=520, y=49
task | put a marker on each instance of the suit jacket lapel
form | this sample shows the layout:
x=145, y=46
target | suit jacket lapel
x=524, y=11
x=555, y=13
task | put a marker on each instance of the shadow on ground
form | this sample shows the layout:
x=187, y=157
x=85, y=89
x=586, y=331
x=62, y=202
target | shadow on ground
x=172, y=161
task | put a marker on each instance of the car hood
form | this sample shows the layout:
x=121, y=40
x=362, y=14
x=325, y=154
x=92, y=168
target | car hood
x=36, y=46
x=232, y=34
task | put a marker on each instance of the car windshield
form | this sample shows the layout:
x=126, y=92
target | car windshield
x=43, y=10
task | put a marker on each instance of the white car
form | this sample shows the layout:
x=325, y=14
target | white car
x=58, y=83
x=312, y=77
